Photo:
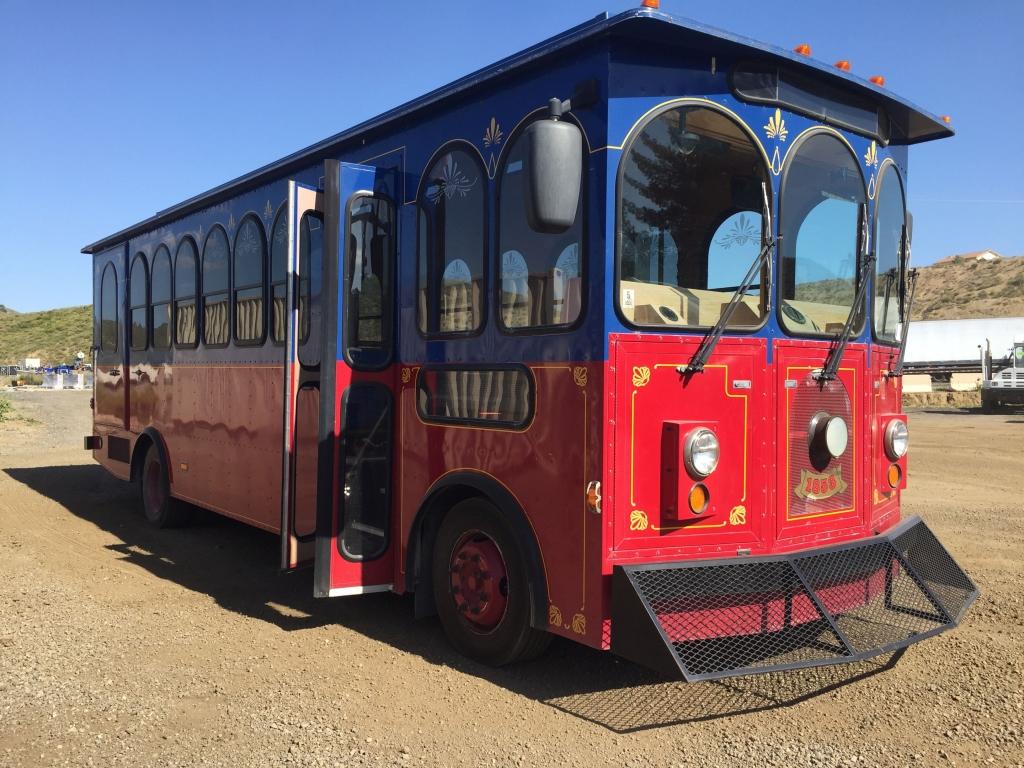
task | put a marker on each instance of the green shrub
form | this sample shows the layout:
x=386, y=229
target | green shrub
x=5, y=409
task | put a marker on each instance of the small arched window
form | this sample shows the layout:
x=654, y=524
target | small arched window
x=278, y=277
x=452, y=245
x=109, y=326
x=215, y=288
x=540, y=273
x=819, y=225
x=160, y=298
x=890, y=244
x=250, y=267
x=692, y=190
x=185, y=277
x=138, y=292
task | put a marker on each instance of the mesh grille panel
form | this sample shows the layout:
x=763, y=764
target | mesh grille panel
x=826, y=606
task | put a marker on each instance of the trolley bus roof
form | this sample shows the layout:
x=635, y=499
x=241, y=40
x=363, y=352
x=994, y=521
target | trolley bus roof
x=916, y=125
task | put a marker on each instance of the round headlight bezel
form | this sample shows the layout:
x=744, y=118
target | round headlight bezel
x=702, y=452
x=893, y=440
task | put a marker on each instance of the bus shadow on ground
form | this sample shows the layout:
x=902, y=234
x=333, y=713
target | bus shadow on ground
x=236, y=565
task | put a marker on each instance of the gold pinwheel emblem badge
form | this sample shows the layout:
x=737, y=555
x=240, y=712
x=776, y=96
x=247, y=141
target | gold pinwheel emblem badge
x=579, y=375
x=554, y=616
x=638, y=520
x=579, y=624
x=738, y=515
x=641, y=375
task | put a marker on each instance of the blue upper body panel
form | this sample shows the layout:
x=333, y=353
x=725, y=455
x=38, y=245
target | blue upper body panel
x=639, y=60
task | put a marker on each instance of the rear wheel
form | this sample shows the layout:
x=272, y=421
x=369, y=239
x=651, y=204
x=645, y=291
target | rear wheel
x=481, y=586
x=158, y=507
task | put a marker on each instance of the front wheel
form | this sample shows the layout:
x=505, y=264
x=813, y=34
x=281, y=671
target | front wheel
x=481, y=586
x=158, y=507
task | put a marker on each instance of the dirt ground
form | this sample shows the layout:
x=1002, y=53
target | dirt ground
x=120, y=645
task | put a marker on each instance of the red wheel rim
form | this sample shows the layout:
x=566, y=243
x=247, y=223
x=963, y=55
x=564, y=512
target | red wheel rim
x=153, y=488
x=479, y=581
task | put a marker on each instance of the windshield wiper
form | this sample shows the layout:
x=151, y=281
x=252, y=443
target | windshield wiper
x=909, y=305
x=700, y=357
x=835, y=355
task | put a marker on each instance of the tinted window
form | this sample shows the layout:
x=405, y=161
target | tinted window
x=890, y=219
x=366, y=464
x=452, y=245
x=540, y=274
x=109, y=331
x=311, y=267
x=692, y=193
x=160, y=296
x=250, y=264
x=215, y=288
x=368, y=269
x=495, y=397
x=822, y=195
x=278, y=270
x=185, y=266
x=139, y=287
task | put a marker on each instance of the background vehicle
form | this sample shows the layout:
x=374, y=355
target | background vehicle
x=622, y=365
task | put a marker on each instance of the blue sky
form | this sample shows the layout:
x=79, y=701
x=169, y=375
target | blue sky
x=112, y=111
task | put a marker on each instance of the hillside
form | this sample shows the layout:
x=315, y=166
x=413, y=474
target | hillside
x=54, y=335
x=969, y=288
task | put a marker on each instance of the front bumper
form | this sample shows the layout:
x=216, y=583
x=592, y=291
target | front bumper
x=711, y=619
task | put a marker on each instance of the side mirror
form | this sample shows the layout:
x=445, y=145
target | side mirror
x=554, y=169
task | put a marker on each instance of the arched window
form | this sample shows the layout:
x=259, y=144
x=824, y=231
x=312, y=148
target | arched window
x=138, y=293
x=820, y=214
x=278, y=276
x=250, y=266
x=160, y=298
x=110, y=330
x=540, y=273
x=890, y=228
x=185, y=277
x=692, y=187
x=215, y=288
x=452, y=245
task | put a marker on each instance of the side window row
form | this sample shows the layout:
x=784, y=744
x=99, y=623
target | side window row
x=178, y=300
x=539, y=276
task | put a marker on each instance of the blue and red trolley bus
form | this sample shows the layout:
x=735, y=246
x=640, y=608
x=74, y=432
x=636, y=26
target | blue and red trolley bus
x=602, y=341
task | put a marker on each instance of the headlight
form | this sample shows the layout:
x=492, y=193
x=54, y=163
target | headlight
x=897, y=439
x=701, y=452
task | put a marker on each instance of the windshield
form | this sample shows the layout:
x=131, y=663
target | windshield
x=822, y=195
x=691, y=200
x=889, y=220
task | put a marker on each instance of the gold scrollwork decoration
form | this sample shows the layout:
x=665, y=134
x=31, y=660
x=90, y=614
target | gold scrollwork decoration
x=738, y=515
x=406, y=375
x=776, y=127
x=579, y=624
x=554, y=615
x=638, y=520
x=579, y=375
x=641, y=375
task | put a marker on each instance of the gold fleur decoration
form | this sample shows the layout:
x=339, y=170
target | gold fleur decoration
x=638, y=520
x=231, y=221
x=641, y=375
x=579, y=624
x=554, y=616
x=268, y=211
x=579, y=375
x=776, y=127
x=493, y=134
x=738, y=515
x=406, y=375
x=871, y=156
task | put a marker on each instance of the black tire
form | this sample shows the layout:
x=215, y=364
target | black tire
x=159, y=509
x=511, y=639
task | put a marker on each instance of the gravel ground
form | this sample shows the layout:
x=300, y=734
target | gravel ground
x=120, y=645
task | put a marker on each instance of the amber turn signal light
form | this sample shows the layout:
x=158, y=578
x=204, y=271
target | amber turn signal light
x=894, y=475
x=651, y=4
x=803, y=49
x=877, y=80
x=843, y=64
x=947, y=119
x=698, y=498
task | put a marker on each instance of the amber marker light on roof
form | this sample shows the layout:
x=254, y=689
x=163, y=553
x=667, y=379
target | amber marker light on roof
x=803, y=49
x=843, y=64
x=651, y=3
x=877, y=80
x=947, y=119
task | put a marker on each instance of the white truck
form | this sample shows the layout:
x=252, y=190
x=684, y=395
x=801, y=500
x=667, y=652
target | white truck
x=1004, y=387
